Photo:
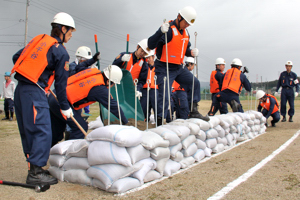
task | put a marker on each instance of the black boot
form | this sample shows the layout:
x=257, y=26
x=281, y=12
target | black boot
x=159, y=121
x=283, y=119
x=6, y=115
x=234, y=105
x=212, y=111
x=291, y=119
x=195, y=113
x=37, y=175
x=273, y=124
x=11, y=116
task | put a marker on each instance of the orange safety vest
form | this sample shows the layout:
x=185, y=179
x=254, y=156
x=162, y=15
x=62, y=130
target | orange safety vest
x=150, y=77
x=136, y=68
x=177, y=87
x=33, y=59
x=232, y=80
x=176, y=47
x=214, y=85
x=80, y=84
x=266, y=105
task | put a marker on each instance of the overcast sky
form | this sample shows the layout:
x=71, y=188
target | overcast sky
x=264, y=34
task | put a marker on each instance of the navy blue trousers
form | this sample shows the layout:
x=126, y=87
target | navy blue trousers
x=287, y=95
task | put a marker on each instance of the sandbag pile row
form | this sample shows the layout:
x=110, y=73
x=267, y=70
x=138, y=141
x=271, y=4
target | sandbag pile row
x=118, y=158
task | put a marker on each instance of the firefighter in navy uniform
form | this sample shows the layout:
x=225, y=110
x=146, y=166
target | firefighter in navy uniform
x=216, y=80
x=233, y=81
x=287, y=81
x=84, y=88
x=136, y=64
x=178, y=46
x=270, y=106
x=50, y=60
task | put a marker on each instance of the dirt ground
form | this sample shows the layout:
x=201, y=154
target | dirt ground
x=278, y=179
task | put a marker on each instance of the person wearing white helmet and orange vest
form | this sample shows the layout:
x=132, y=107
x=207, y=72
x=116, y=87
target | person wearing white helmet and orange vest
x=178, y=46
x=232, y=84
x=84, y=88
x=215, y=83
x=136, y=64
x=270, y=106
x=42, y=61
x=287, y=81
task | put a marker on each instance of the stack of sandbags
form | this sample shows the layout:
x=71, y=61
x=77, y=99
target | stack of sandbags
x=110, y=163
x=259, y=122
x=216, y=139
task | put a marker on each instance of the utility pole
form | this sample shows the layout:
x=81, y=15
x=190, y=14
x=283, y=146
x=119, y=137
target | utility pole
x=26, y=23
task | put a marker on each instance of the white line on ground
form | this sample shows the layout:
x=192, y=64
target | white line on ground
x=182, y=170
x=250, y=172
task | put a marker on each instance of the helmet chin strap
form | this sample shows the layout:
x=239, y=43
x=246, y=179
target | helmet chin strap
x=64, y=34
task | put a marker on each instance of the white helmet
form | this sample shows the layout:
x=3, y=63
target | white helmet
x=144, y=45
x=64, y=19
x=190, y=60
x=151, y=53
x=260, y=94
x=84, y=52
x=220, y=61
x=189, y=14
x=289, y=63
x=116, y=73
x=237, y=62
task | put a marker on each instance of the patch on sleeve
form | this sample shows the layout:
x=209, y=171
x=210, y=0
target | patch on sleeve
x=118, y=56
x=67, y=66
x=56, y=45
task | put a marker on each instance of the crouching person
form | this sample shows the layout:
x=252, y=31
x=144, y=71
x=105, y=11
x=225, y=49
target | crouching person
x=269, y=104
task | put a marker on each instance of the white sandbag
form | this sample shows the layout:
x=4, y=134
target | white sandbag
x=242, y=138
x=207, y=152
x=211, y=143
x=98, y=184
x=204, y=125
x=151, y=140
x=138, y=153
x=95, y=124
x=78, y=148
x=175, y=148
x=147, y=165
x=233, y=129
x=220, y=130
x=235, y=136
x=188, y=141
x=229, y=138
x=214, y=121
x=257, y=122
x=263, y=120
x=103, y=152
x=178, y=156
x=257, y=114
x=194, y=128
x=211, y=133
x=167, y=134
x=219, y=148
x=76, y=163
x=239, y=129
x=191, y=150
x=184, y=132
x=109, y=173
x=250, y=123
x=123, y=136
x=199, y=155
x=124, y=184
x=171, y=167
x=178, y=129
x=222, y=140
x=57, y=172
x=159, y=153
x=160, y=165
x=227, y=118
x=152, y=175
x=78, y=176
x=200, y=144
x=250, y=135
x=224, y=124
x=251, y=115
x=57, y=160
x=201, y=135
x=187, y=162
x=237, y=118
x=61, y=148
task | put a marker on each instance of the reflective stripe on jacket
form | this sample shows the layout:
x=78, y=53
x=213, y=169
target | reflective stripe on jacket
x=150, y=77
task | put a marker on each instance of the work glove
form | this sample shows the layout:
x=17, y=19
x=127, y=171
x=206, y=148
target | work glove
x=97, y=56
x=165, y=27
x=276, y=94
x=125, y=57
x=195, y=52
x=68, y=113
x=138, y=94
x=296, y=94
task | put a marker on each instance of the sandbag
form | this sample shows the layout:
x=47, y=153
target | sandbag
x=123, y=136
x=188, y=141
x=151, y=140
x=61, y=148
x=78, y=176
x=138, y=153
x=222, y=140
x=214, y=121
x=159, y=153
x=152, y=175
x=171, y=167
x=201, y=135
x=178, y=156
x=220, y=130
x=57, y=172
x=178, y=129
x=147, y=165
x=160, y=165
x=95, y=124
x=187, y=162
x=103, y=152
x=211, y=133
x=76, y=163
x=57, y=160
x=200, y=144
x=199, y=155
x=175, y=148
x=207, y=152
x=78, y=148
x=167, y=134
x=218, y=148
x=211, y=143
x=204, y=125
x=191, y=150
x=124, y=184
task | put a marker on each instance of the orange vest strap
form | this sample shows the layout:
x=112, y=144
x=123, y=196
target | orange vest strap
x=134, y=69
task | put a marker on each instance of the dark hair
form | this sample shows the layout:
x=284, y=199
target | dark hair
x=55, y=30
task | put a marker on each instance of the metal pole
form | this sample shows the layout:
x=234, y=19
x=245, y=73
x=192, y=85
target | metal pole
x=197, y=59
x=108, y=113
x=155, y=77
x=96, y=44
x=26, y=23
x=135, y=103
x=120, y=118
x=164, y=95
x=148, y=88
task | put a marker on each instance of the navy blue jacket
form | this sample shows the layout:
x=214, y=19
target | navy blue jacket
x=287, y=80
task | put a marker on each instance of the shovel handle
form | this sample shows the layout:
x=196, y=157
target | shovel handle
x=96, y=44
